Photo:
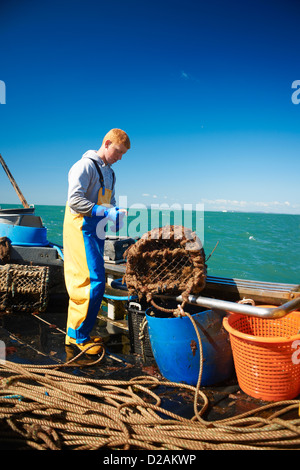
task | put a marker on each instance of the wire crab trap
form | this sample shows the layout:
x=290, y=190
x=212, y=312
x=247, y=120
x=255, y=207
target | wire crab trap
x=169, y=260
x=23, y=288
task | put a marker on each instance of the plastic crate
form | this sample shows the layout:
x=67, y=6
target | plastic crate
x=138, y=332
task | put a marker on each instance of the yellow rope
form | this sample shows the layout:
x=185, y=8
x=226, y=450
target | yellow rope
x=58, y=410
x=51, y=409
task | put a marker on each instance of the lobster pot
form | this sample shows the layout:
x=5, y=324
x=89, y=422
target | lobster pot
x=138, y=332
x=169, y=261
x=23, y=288
x=176, y=349
x=265, y=355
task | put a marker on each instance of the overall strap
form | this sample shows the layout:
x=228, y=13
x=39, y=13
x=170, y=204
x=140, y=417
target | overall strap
x=101, y=179
x=114, y=178
x=101, y=175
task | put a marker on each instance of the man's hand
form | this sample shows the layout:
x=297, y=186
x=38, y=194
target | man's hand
x=114, y=214
x=119, y=222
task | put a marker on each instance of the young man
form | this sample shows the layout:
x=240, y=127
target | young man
x=91, y=205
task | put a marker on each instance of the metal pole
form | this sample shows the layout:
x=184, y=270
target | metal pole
x=263, y=312
x=16, y=187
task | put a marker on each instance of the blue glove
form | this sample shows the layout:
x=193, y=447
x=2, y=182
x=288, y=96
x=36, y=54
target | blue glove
x=114, y=214
x=119, y=221
x=103, y=211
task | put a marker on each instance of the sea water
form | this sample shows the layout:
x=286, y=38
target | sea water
x=256, y=246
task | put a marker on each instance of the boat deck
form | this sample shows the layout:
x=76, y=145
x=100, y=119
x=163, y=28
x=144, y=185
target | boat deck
x=38, y=339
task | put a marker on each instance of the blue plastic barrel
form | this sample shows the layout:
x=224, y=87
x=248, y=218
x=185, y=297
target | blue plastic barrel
x=175, y=348
x=22, y=235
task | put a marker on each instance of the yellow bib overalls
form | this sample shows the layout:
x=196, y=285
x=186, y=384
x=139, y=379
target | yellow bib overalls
x=84, y=267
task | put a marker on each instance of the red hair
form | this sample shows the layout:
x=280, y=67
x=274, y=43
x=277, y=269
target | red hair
x=117, y=136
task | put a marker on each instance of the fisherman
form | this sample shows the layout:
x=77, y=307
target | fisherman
x=91, y=205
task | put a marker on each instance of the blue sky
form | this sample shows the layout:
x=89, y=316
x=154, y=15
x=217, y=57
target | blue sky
x=203, y=89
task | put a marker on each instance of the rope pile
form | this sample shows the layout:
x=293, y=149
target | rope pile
x=53, y=410
x=166, y=260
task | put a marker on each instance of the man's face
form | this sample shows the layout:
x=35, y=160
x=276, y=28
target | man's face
x=114, y=152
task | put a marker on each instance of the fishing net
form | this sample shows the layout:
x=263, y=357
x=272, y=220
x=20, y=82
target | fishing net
x=23, y=288
x=168, y=260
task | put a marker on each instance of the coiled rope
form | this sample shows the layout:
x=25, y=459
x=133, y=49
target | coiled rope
x=49, y=409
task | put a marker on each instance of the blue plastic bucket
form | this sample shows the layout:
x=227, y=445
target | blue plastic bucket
x=175, y=348
x=22, y=235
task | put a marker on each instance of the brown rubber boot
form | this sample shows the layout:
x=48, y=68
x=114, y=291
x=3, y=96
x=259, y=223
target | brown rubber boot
x=92, y=346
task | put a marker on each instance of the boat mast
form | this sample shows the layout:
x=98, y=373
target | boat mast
x=13, y=182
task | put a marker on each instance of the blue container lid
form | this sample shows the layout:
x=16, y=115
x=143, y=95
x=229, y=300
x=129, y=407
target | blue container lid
x=24, y=236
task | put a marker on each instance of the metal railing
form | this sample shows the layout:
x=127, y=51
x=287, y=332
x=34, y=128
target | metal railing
x=245, y=309
x=228, y=306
